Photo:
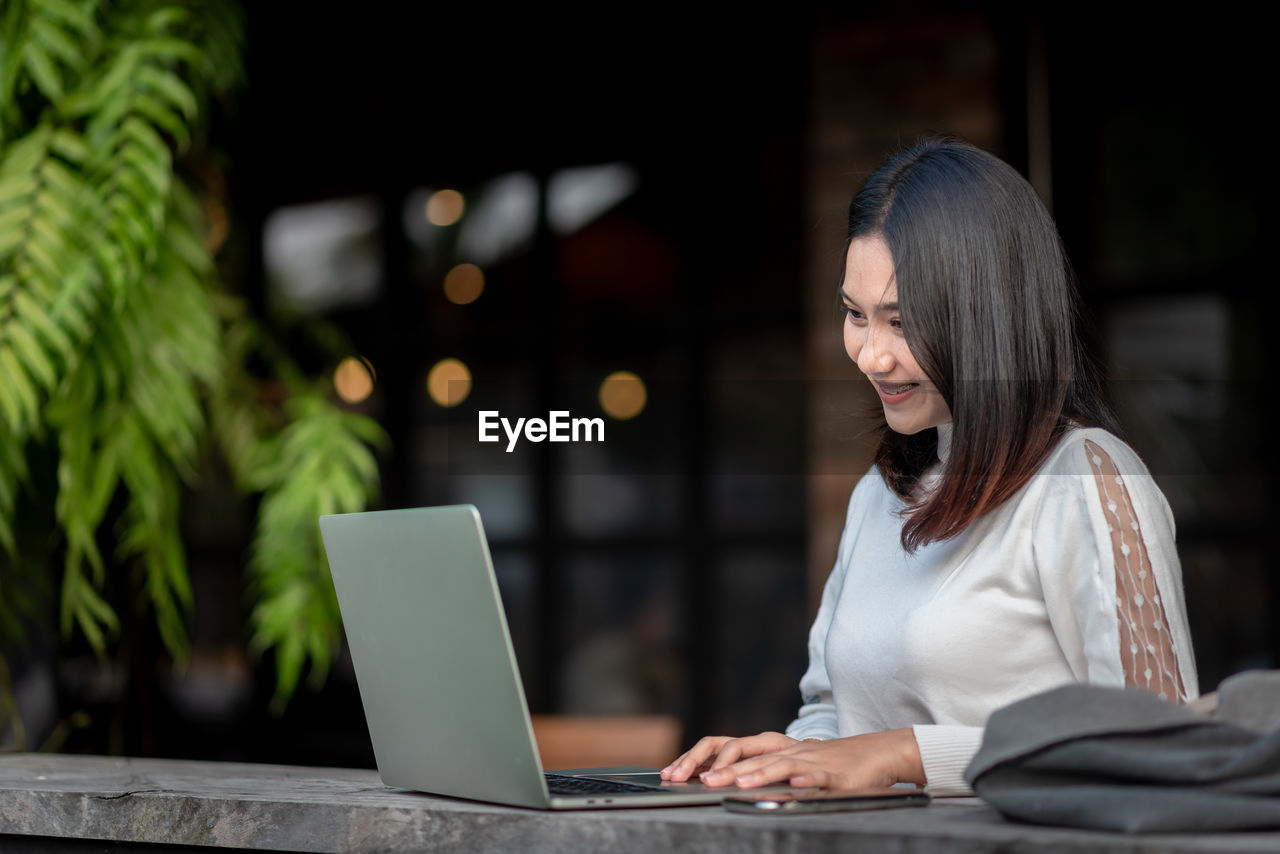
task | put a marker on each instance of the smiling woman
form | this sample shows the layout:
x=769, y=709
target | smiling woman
x=1007, y=540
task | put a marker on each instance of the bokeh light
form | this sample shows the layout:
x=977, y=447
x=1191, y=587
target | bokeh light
x=464, y=284
x=623, y=395
x=449, y=382
x=353, y=379
x=445, y=207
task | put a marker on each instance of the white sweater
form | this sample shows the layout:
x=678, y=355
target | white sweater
x=1046, y=589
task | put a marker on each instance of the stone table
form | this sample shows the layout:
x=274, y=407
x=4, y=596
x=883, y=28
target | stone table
x=87, y=803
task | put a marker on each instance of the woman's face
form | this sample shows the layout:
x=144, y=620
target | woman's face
x=873, y=339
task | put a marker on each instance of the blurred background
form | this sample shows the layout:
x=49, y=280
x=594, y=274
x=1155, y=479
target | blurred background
x=525, y=213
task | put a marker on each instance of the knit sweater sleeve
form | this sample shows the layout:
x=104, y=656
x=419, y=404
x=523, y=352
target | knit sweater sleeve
x=1105, y=555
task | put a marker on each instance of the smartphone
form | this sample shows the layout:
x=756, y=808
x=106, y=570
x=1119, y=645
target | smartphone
x=799, y=803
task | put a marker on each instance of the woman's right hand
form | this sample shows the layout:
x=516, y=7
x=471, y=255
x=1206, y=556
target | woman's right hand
x=717, y=751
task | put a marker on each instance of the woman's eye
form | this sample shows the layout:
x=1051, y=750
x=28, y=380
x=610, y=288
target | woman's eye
x=852, y=312
x=896, y=322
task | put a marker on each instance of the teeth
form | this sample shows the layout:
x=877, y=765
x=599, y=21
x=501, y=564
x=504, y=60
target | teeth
x=895, y=389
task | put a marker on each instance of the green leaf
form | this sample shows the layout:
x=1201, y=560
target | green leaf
x=190, y=249
x=171, y=49
x=10, y=405
x=43, y=71
x=21, y=402
x=97, y=608
x=45, y=235
x=17, y=187
x=170, y=87
x=70, y=145
x=15, y=219
x=55, y=41
x=91, y=612
x=290, y=655
x=148, y=206
x=144, y=135
x=41, y=260
x=117, y=79
x=91, y=630
x=27, y=152
x=30, y=313
x=156, y=112
x=9, y=239
x=60, y=181
x=162, y=20
x=32, y=354
x=73, y=14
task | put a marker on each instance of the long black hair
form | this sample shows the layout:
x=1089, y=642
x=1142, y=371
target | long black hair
x=991, y=314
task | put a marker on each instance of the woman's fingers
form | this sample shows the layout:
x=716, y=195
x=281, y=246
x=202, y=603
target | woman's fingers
x=760, y=771
x=757, y=745
x=719, y=751
x=694, y=758
x=747, y=755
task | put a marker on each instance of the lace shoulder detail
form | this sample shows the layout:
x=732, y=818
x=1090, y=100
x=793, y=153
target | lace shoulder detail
x=1146, y=645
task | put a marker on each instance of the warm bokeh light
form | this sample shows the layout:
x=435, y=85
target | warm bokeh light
x=353, y=380
x=464, y=284
x=622, y=395
x=445, y=207
x=449, y=382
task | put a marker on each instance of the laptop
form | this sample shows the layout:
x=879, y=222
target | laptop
x=438, y=676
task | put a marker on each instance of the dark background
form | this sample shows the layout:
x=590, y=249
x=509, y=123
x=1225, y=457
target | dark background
x=690, y=592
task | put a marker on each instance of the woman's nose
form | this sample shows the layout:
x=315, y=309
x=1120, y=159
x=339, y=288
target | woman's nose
x=873, y=356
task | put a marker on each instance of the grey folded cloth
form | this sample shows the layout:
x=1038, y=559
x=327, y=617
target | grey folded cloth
x=1123, y=759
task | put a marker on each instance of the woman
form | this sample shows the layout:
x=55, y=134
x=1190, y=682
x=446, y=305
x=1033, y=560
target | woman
x=1006, y=541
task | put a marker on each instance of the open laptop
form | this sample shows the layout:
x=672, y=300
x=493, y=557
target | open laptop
x=437, y=674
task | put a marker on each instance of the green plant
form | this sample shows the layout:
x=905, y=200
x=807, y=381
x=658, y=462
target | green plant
x=123, y=356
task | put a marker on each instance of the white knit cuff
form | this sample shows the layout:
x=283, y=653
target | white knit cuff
x=945, y=751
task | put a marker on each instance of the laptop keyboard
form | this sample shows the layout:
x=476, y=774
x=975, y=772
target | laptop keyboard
x=559, y=785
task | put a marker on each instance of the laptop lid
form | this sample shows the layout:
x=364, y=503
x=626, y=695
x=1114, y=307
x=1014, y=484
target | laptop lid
x=437, y=675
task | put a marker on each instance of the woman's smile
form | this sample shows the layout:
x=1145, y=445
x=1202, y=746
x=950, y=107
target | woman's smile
x=894, y=392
